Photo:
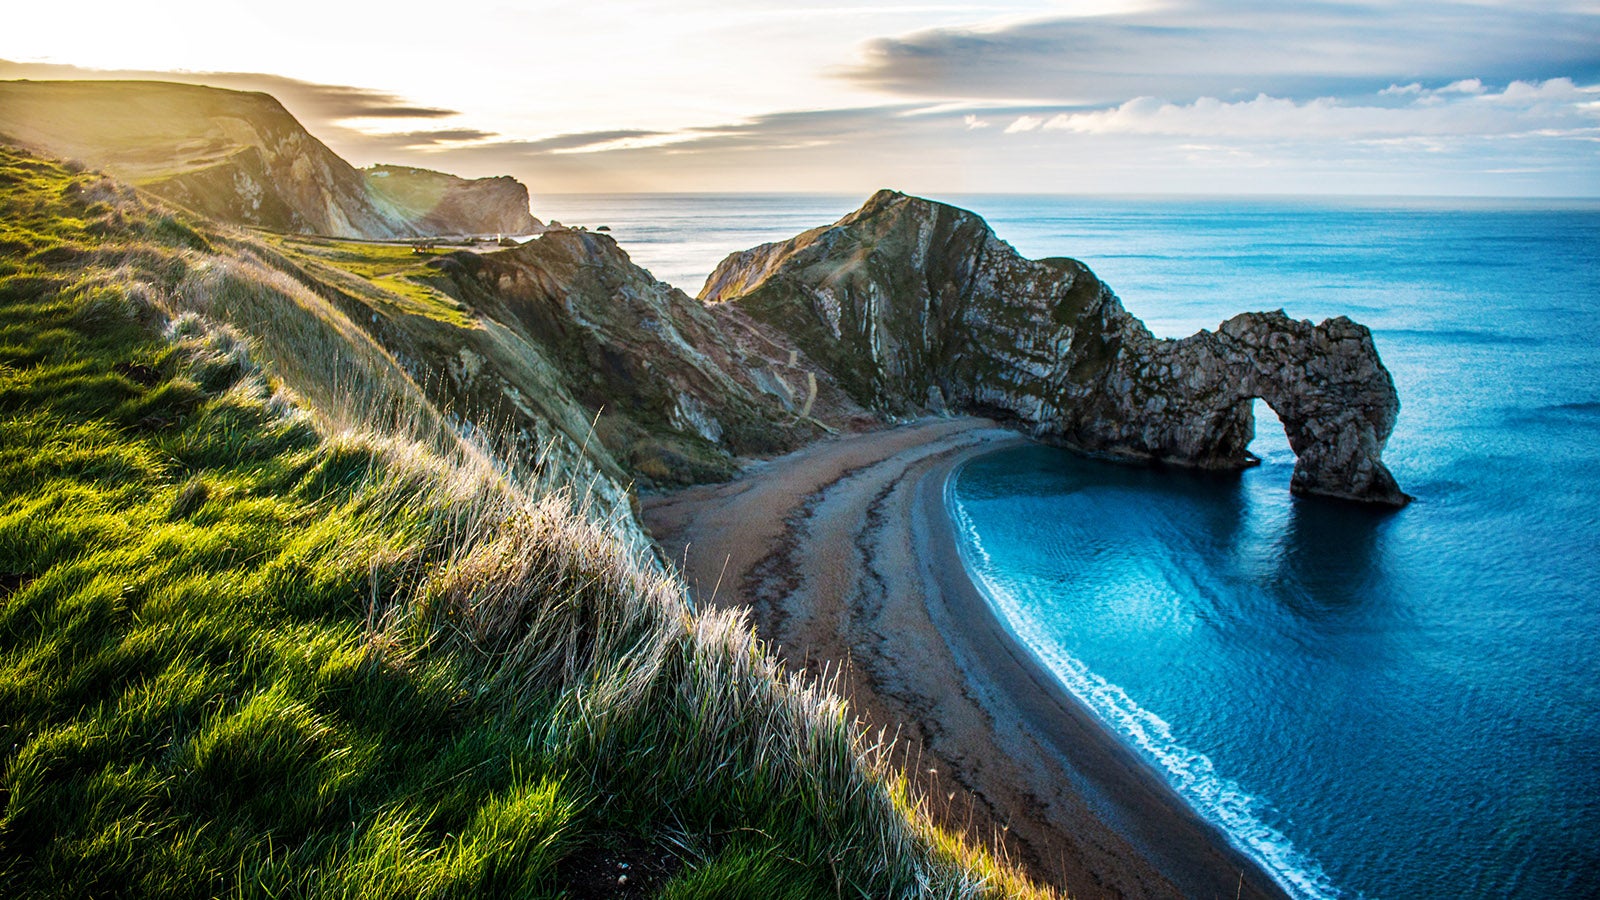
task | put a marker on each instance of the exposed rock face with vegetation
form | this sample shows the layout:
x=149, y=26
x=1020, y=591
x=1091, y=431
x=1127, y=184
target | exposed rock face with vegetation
x=915, y=305
x=447, y=205
x=672, y=395
x=241, y=158
x=584, y=363
x=231, y=156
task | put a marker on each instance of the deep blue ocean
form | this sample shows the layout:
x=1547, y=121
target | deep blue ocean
x=1371, y=704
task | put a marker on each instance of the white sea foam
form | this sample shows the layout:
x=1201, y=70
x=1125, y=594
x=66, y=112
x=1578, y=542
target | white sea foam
x=1218, y=799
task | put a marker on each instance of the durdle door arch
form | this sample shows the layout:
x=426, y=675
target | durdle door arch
x=905, y=296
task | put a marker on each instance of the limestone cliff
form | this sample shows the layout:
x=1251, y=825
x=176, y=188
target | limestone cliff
x=918, y=305
x=448, y=205
x=241, y=158
x=232, y=156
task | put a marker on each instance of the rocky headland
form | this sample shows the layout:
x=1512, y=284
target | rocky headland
x=445, y=204
x=241, y=158
x=904, y=306
x=914, y=305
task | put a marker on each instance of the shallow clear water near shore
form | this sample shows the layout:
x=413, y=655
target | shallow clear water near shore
x=1371, y=704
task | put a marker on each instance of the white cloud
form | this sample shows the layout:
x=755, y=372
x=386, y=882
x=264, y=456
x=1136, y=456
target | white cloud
x=1185, y=49
x=1464, y=86
x=1461, y=109
x=1024, y=123
x=527, y=69
x=640, y=142
x=974, y=123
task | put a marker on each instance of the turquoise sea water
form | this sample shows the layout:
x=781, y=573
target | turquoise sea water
x=1372, y=705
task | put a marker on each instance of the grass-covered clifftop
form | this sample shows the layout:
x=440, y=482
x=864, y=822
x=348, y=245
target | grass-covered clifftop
x=240, y=157
x=234, y=156
x=272, y=622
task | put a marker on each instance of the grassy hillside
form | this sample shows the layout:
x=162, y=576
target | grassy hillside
x=573, y=357
x=270, y=625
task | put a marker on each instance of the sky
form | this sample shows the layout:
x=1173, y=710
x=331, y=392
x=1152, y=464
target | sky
x=1482, y=98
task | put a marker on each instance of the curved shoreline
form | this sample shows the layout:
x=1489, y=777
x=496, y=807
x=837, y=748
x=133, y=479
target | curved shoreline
x=1143, y=828
x=847, y=556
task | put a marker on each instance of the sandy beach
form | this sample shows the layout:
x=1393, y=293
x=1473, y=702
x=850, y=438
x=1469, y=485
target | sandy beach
x=846, y=558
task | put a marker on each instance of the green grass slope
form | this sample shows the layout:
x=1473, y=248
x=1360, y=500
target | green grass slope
x=269, y=626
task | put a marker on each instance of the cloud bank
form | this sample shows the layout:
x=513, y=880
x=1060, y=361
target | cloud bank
x=1203, y=48
x=1554, y=108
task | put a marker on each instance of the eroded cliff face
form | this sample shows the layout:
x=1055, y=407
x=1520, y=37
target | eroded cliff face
x=232, y=156
x=917, y=305
x=241, y=158
x=442, y=204
x=672, y=393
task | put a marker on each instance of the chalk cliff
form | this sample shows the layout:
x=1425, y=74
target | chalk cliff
x=241, y=158
x=232, y=156
x=917, y=305
x=444, y=204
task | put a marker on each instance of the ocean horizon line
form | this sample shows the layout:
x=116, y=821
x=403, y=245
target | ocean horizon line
x=1485, y=201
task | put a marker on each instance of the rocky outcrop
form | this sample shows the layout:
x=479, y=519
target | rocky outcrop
x=1189, y=401
x=441, y=204
x=916, y=305
x=674, y=394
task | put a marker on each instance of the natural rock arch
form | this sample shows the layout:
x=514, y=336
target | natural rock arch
x=912, y=304
x=1325, y=383
x=1335, y=399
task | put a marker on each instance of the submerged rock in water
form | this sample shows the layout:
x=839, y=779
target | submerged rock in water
x=907, y=300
